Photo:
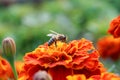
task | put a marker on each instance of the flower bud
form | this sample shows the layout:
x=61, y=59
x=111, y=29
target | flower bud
x=9, y=47
x=41, y=75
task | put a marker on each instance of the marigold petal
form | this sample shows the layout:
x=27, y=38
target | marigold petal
x=105, y=76
x=19, y=66
x=87, y=72
x=76, y=77
x=117, y=32
x=60, y=72
x=31, y=59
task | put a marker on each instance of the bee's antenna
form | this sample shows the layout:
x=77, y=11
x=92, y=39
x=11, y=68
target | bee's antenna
x=53, y=32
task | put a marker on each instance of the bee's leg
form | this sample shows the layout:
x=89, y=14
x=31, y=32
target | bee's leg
x=55, y=44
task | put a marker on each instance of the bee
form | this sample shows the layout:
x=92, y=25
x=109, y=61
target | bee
x=56, y=37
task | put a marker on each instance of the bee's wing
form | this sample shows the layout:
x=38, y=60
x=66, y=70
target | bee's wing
x=51, y=35
x=54, y=32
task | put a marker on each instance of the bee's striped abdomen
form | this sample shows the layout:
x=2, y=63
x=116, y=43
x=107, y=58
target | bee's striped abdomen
x=51, y=41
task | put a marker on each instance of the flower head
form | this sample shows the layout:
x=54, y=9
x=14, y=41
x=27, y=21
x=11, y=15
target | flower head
x=109, y=47
x=76, y=57
x=114, y=28
x=9, y=47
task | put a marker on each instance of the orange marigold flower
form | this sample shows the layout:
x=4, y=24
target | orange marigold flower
x=76, y=57
x=109, y=47
x=114, y=28
x=103, y=76
x=5, y=70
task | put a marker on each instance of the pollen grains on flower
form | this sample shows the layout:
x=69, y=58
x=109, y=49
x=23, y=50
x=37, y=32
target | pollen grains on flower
x=75, y=57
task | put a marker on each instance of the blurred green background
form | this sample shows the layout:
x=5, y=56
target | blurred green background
x=29, y=21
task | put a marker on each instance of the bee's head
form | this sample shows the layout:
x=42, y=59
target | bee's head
x=62, y=38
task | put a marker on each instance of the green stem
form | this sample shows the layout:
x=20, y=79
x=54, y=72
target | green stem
x=11, y=61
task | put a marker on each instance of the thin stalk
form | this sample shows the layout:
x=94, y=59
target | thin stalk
x=11, y=61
